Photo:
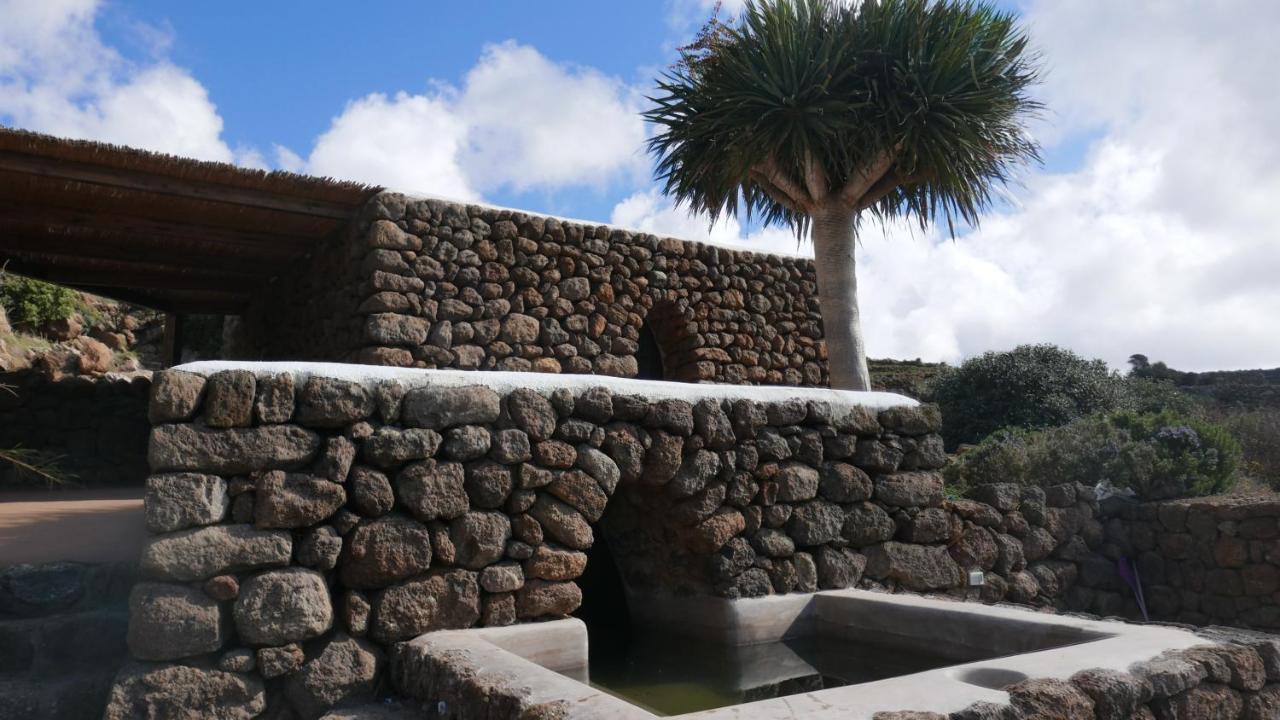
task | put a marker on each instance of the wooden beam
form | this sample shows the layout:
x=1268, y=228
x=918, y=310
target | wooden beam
x=56, y=246
x=29, y=218
x=163, y=185
x=94, y=272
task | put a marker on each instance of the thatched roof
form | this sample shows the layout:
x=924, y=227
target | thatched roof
x=169, y=232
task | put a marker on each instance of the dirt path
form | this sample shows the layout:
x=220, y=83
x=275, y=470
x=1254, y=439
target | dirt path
x=81, y=525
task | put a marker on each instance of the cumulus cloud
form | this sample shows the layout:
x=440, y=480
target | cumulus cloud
x=1164, y=240
x=57, y=76
x=518, y=121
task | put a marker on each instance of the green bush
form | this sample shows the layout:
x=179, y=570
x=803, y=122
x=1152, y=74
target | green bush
x=35, y=303
x=1031, y=386
x=1158, y=456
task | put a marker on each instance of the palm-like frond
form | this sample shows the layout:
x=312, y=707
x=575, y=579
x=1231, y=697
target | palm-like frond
x=940, y=87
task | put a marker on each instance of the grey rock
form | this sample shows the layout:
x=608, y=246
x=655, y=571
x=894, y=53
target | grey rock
x=182, y=500
x=433, y=490
x=278, y=607
x=241, y=660
x=201, y=553
x=909, y=489
x=179, y=691
x=915, y=567
x=273, y=398
x=370, y=492
x=331, y=403
x=675, y=416
x=320, y=548
x=466, y=442
x=502, y=577
x=389, y=448
x=439, y=408
x=838, y=567
x=344, y=673
x=168, y=622
x=712, y=423
x=441, y=600
x=510, y=446
x=1004, y=497
x=796, y=482
x=815, y=523
x=234, y=451
x=562, y=523
x=532, y=413
x=843, y=483
x=334, y=464
x=228, y=399
x=175, y=396
x=876, y=456
x=595, y=404
x=930, y=525
x=600, y=467
x=276, y=661
x=295, y=500
x=384, y=551
x=488, y=484
x=479, y=538
x=695, y=472
x=773, y=543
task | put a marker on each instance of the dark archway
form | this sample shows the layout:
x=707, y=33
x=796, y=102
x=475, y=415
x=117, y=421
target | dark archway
x=649, y=357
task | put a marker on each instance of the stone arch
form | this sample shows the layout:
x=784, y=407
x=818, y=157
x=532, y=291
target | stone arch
x=666, y=340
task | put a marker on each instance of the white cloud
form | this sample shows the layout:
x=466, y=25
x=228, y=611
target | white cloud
x=1165, y=240
x=57, y=76
x=650, y=212
x=519, y=121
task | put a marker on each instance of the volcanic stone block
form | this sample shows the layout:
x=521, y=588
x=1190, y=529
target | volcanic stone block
x=295, y=500
x=181, y=500
x=180, y=691
x=332, y=403
x=562, y=523
x=384, y=551
x=168, y=622
x=234, y=451
x=909, y=489
x=433, y=490
x=391, y=447
x=278, y=607
x=815, y=522
x=175, y=396
x=273, y=398
x=439, y=408
x=539, y=598
x=370, y=492
x=843, y=483
x=796, y=482
x=442, y=600
x=344, y=673
x=479, y=538
x=915, y=567
x=201, y=553
x=228, y=400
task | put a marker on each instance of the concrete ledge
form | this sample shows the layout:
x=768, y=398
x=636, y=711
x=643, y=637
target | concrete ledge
x=1031, y=645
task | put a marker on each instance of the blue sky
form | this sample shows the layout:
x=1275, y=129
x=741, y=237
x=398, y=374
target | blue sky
x=1151, y=227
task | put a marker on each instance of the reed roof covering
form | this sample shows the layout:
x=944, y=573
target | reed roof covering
x=169, y=232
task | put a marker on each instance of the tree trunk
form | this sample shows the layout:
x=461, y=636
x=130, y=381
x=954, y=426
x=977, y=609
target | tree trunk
x=833, y=245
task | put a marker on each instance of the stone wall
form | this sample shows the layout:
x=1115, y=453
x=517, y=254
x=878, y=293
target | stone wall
x=62, y=637
x=304, y=523
x=97, y=428
x=436, y=284
x=1201, y=561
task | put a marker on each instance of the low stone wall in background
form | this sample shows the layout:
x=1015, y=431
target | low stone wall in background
x=1200, y=560
x=62, y=638
x=436, y=284
x=305, y=524
x=96, y=428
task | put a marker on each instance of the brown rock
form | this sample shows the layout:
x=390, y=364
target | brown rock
x=550, y=562
x=383, y=551
x=442, y=600
x=539, y=598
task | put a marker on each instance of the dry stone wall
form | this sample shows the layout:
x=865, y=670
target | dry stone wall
x=437, y=284
x=305, y=524
x=96, y=428
x=1201, y=561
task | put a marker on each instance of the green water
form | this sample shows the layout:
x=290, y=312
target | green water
x=674, y=675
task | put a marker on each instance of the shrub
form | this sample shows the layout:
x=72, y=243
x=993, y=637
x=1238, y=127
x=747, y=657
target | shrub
x=1258, y=432
x=1158, y=456
x=35, y=303
x=1031, y=386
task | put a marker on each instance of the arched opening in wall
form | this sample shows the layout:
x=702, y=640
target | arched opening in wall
x=604, y=607
x=649, y=356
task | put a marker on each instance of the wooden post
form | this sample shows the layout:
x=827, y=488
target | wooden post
x=172, y=353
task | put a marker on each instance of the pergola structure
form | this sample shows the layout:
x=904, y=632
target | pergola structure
x=174, y=234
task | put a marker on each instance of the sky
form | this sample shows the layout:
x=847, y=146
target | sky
x=1150, y=228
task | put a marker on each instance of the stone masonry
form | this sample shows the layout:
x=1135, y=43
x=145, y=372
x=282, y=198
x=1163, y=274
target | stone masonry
x=437, y=284
x=305, y=524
